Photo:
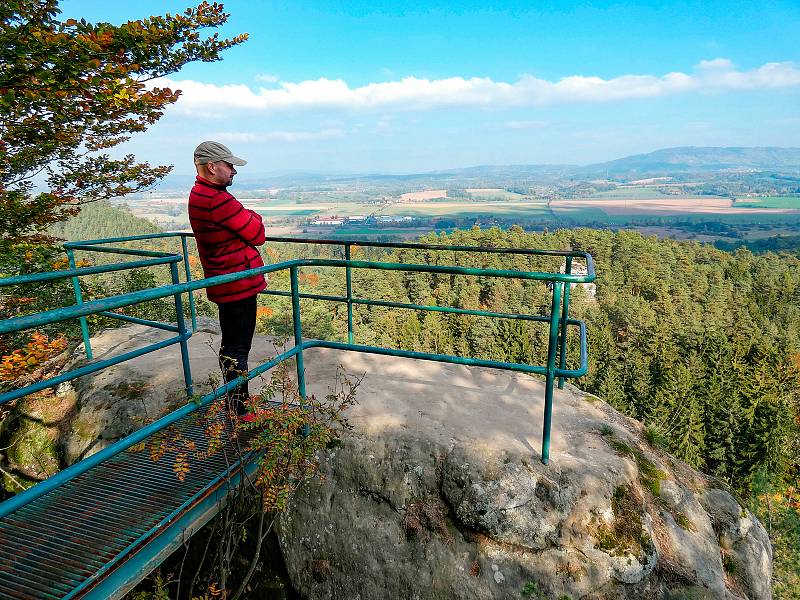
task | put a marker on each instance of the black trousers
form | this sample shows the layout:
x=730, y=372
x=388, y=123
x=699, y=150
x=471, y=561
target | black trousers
x=237, y=320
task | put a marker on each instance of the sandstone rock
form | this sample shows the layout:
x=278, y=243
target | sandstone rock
x=116, y=401
x=31, y=437
x=438, y=492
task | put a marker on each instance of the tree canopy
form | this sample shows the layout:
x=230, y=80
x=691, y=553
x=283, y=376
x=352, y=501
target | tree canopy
x=70, y=90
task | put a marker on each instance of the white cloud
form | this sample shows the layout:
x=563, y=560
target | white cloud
x=278, y=136
x=412, y=93
x=266, y=78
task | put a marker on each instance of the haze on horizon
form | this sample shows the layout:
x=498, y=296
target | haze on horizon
x=383, y=87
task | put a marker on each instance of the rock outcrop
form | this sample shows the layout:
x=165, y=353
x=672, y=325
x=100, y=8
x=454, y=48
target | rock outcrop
x=116, y=401
x=438, y=491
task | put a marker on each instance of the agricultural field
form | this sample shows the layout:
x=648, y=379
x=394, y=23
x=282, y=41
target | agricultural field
x=422, y=196
x=493, y=194
x=415, y=213
x=785, y=202
x=659, y=206
x=467, y=208
x=669, y=206
x=640, y=192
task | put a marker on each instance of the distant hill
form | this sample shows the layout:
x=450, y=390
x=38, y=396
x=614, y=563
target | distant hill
x=667, y=161
x=703, y=159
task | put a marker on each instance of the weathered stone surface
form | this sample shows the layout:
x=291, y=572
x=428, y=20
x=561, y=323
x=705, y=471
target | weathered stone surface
x=31, y=434
x=438, y=492
x=116, y=401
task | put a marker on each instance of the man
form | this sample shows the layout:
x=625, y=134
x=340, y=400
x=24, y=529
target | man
x=227, y=235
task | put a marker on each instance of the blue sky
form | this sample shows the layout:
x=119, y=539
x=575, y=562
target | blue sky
x=416, y=86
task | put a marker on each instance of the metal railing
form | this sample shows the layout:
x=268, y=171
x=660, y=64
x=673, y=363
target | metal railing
x=558, y=321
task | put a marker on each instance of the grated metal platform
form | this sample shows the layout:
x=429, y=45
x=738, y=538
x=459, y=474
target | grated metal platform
x=67, y=541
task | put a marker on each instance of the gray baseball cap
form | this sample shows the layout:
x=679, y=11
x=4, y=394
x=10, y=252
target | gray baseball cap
x=208, y=152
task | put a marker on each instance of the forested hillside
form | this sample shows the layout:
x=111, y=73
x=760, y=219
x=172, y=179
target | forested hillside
x=101, y=220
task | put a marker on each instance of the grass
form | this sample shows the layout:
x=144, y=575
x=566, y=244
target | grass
x=768, y=202
x=631, y=192
x=729, y=564
x=684, y=523
x=495, y=194
x=531, y=589
x=626, y=535
x=654, y=437
x=650, y=475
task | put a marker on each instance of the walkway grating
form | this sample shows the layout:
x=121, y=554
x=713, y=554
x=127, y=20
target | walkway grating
x=66, y=541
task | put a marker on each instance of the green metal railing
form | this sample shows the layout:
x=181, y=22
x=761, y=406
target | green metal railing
x=554, y=370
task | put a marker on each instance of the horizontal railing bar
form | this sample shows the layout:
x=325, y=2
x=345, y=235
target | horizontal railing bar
x=477, y=362
x=127, y=238
x=285, y=294
x=115, y=250
x=503, y=273
x=451, y=310
x=428, y=307
x=344, y=241
x=86, y=370
x=134, y=438
x=94, y=306
x=138, y=321
x=53, y=275
x=421, y=246
x=459, y=360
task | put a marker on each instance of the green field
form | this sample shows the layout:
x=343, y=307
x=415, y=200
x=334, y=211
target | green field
x=768, y=202
x=645, y=193
x=526, y=209
x=582, y=214
x=495, y=195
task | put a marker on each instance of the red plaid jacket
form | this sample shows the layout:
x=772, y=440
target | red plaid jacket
x=227, y=235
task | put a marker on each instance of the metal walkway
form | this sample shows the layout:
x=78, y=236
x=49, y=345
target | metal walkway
x=75, y=540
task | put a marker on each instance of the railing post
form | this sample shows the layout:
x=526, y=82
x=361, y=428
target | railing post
x=348, y=277
x=552, y=353
x=298, y=335
x=189, y=278
x=562, y=350
x=76, y=286
x=187, y=371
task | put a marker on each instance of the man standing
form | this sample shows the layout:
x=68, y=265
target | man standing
x=227, y=235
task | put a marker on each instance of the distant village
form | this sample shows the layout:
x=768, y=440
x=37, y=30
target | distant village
x=357, y=219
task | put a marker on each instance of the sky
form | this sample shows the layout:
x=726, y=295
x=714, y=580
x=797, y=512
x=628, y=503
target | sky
x=409, y=87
